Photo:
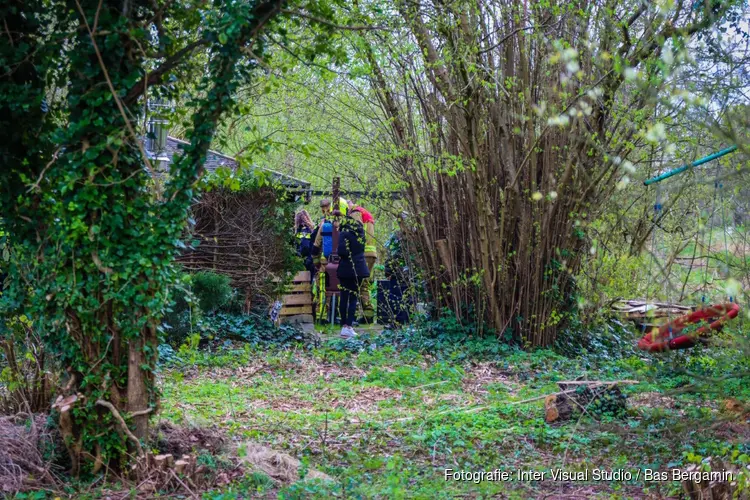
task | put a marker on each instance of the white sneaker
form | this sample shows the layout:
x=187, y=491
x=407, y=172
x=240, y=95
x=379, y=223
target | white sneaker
x=347, y=332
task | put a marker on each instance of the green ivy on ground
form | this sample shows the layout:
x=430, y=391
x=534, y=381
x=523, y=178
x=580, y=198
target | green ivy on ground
x=385, y=418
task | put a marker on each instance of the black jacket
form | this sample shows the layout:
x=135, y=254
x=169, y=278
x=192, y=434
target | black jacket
x=304, y=243
x=351, y=250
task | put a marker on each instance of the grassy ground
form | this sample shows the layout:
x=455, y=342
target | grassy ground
x=387, y=422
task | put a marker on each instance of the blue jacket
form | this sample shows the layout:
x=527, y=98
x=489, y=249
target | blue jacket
x=351, y=250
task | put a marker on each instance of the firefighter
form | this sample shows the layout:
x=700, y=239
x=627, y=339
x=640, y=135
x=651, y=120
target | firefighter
x=322, y=248
x=371, y=256
x=303, y=228
x=325, y=207
x=352, y=269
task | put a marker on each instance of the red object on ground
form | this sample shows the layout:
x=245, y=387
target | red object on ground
x=668, y=337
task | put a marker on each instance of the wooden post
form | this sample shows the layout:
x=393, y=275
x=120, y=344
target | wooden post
x=336, y=191
x=336, y=194
x=333, y=259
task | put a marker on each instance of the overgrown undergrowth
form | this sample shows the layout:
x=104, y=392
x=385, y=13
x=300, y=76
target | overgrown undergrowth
x=386, y=415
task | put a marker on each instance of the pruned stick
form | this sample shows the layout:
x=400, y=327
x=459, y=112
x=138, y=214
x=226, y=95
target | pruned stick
x=598, y=382
x=123, y=425
x=570, y=391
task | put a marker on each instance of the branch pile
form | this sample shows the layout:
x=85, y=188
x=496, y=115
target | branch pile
x=22, y=465
x=589, y=397
x=240, y=236
x=715, y=480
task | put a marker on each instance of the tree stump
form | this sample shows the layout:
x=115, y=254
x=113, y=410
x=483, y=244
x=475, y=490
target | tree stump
x=169, y=472
x=163, y=462
x=696, y=489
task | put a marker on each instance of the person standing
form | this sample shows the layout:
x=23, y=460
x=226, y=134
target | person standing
x=322, y=248
x=323, y=235
x=371, y=256
x=303, y=228
x=352, y=269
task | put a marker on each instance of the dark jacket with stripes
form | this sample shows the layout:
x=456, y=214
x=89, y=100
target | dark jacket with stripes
x=351, y=250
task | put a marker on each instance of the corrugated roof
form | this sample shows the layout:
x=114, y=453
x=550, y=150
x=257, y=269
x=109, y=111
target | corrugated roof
x=215, y=160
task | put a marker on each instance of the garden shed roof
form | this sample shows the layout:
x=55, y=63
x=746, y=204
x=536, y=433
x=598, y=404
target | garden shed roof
x=215, y=160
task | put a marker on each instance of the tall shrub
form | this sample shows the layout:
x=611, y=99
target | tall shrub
x=511, y=124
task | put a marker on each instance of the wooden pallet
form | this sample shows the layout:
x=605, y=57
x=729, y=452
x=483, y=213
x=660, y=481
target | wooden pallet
x=298, y=299
x=648, y=314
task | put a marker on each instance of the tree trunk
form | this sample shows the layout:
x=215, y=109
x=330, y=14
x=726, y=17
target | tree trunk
x=138, y=393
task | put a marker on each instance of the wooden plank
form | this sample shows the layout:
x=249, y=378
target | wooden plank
x=300, y=287
x=642, y=309
x=289, y=310
x=297, y=319
x=299, y=299
x=302, y=277
x=655, y=314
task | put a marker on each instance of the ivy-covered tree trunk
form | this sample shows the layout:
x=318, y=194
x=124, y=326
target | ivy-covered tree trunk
x=93, y=244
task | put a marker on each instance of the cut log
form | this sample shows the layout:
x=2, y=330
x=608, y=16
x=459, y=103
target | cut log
x=554, y=411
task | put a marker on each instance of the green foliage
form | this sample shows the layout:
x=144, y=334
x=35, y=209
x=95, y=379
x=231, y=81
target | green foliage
x=222, y=337
x=253, y=329
x=182, y=316
x=93, y=244
x=613, y=275
x=27, y=373
x=212, y=290
x=90, y=234
x=254, y=483
x=605, y=339
x=417, y=415
x=411, y=376
x=314, y=489
x=445, y=337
